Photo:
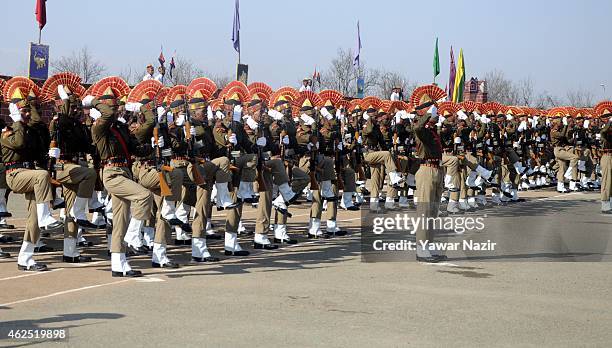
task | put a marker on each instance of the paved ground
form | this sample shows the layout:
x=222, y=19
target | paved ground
x=321, y=293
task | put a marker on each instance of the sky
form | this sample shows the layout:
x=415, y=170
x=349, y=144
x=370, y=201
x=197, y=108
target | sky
x=561, y=45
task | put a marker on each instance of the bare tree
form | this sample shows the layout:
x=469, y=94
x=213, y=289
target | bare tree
x=580, y=98
x=129, y=75
x=342, y=75
x=388, y=80
x=220, y=79
x=500, y=89
x=81, y=63
x=525, y=92
x=545, y=100
x=185, y=71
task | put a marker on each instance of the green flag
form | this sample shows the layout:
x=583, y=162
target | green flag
x=436, y=62
x=459, y=79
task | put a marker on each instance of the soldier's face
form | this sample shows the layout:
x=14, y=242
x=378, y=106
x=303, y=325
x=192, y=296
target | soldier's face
x=199, y=114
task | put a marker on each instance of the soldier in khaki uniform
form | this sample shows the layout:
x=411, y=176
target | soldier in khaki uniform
x=559, y=137
x=604, y=111
x=232, y=141
x=214, y=170
x=116, y=147
x=68, y=135
x=376, y=154
x=283, y=131
x=429, y=177
x=151, y=169
x=19, y=148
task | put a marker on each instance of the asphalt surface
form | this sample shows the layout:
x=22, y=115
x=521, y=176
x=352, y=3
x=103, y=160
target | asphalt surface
x=321, y=293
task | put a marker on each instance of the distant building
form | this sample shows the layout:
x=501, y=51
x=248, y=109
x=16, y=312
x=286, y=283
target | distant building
x=475, y=90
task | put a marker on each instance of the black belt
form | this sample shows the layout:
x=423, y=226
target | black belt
x=117, y=162
x=17, y=165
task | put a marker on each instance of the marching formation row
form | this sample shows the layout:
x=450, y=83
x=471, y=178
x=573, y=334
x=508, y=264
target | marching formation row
x=152, y=160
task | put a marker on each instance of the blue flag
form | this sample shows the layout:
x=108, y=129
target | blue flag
x=236, y=30
x=356, y=60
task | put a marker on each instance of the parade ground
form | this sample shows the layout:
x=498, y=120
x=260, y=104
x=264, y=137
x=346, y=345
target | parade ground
x=321, y=291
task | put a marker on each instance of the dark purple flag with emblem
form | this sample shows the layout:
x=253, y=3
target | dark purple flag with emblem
x=236, y=30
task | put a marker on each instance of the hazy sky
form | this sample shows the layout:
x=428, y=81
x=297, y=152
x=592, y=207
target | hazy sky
x=559, y=44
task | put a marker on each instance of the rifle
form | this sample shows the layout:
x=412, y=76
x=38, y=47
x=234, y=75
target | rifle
x=314, y=152
x=197, y=177
x=161, y=163
x=52, y=162
x=338, y=156
x=261, y=181
x=359, y=154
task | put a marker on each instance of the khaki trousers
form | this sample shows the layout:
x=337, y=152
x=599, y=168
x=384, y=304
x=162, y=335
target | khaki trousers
x=563, y=154
x=429, y=182
x=78, y=181
x=125, y=194
x=264, y=207
x=606, y=176
x=148, y=177
x=214, y=171
x=36, y=187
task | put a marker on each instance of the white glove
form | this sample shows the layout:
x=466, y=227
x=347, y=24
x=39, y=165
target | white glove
x=219, y=115
x=94, y=113
x=484, y=119
x=398, y=117
x=275, y=114
x=209, y=113
x=326, y=113
x=286, y=140
x=160, y=113
x=522, y=126
x=133, y=107
x=179, y=120
x=160, y=141
x=509, y=117
x=312, y=146
x=339, y=114
x=62, y=92
x=548, y=122
x=307, y=119
x=14, y=112
x=237, y=113
x=462, y=115
x=169, y=117
x=565, y=121
x=121, y=119
x=410, y=116
x=339, y=146
x=366, y=116
x=87, y=100
x=233, y=139
x=457, y=140
x=261, y=141
x=251, y=123
x=586, y=124
x=54, y=152
x=192, y=131
x=359, y=140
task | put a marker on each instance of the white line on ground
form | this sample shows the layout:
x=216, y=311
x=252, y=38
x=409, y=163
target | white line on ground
x=32, y=274
x=63, y=292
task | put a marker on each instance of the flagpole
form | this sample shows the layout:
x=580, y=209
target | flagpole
x=39, y=35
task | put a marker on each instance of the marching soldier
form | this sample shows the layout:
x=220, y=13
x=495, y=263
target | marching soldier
x=604, y=111
x=116, y=147
x=20, y=147
x=429, y=177
x=68, y=135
